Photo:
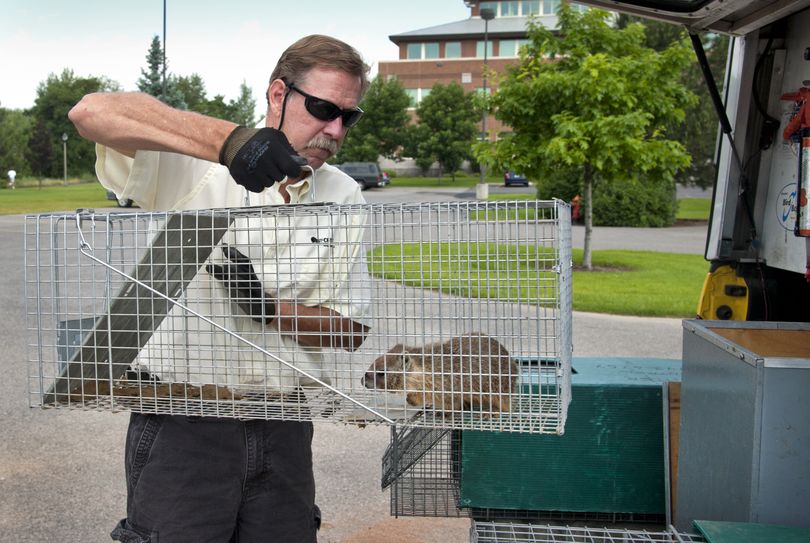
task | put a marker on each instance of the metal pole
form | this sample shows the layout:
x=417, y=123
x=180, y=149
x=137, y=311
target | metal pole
x=64, y=159
x=163, y=84
x=484, y=76
x=482, y=190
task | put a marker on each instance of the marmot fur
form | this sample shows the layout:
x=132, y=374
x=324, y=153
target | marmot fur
x=465, y=371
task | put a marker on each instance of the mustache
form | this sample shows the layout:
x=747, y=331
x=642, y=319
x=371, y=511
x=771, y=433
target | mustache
x=322, y=142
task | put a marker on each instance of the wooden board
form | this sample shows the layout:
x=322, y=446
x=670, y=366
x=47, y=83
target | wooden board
x=674, y=429
x=769, y=342
x=170, y=263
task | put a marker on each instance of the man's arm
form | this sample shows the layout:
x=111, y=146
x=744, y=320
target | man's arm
x=319, y=327
x=129, y=122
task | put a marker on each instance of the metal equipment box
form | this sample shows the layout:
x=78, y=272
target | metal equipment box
x=744, y=451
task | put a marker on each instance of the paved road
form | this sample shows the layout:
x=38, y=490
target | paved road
x=61, y=472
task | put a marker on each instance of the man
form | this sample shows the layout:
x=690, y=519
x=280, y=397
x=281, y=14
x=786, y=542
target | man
x=219, y=480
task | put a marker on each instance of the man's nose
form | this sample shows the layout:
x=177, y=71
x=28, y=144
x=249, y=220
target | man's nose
x=335, y=129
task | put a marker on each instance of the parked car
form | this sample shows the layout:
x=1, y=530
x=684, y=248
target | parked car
x=122, y=202
x=512, y=178
x=367, y=174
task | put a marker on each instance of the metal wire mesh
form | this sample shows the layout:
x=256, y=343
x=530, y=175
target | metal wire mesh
x=501, y=532
x=160, y=313
x=422, y=467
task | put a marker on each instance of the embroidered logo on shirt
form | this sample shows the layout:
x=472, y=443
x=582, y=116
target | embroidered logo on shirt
x=323, y=241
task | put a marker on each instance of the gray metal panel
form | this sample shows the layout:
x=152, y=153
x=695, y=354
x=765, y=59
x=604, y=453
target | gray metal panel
x=717, y=428
x=745, y=430
x=782, y=494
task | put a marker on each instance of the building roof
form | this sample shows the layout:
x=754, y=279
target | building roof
x=472, y=27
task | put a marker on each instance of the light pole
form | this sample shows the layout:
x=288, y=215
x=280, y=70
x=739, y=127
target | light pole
x=64, y=157
x=487, y=14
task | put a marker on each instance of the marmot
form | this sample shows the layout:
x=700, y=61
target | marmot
x=465, y=371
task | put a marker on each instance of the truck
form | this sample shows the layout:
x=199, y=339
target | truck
x=757, y=244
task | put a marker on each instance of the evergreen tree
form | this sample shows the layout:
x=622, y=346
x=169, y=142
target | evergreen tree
x=151, y=80
x=243, y=109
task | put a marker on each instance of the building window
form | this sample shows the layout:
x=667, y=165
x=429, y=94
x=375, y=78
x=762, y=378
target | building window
x=510, y=9
x=510, y=48
x=417, y=95
x=422, y=50
x=479, y=49
x=530, y=7
x=452, y=49
x=431, y=50
x=466, y=78
x=550, y=7
x=489, y=5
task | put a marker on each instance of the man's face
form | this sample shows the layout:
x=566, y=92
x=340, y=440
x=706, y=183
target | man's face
x=312, y=138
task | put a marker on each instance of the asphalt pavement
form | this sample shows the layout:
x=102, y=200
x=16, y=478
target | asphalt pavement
x=61, y=472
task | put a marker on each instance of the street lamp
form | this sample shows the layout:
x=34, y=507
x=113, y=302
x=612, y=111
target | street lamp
x=64, y=157
x=487, y=14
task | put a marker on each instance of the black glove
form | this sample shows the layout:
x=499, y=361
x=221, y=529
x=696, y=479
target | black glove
x=243, y=285
x=258, y=157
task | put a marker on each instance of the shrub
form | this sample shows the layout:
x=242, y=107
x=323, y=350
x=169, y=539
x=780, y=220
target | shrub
x=633, y=203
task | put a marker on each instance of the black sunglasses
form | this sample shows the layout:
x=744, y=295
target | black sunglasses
x=324, y=110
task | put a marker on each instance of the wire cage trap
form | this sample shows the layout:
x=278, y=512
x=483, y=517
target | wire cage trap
x=423, y=469
x=505, y=532
x=410, y=314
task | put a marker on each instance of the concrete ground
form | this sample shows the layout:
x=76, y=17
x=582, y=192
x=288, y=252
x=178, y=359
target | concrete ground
x=61, y=472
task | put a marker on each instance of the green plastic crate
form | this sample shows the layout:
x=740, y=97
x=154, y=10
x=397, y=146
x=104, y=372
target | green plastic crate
x=610, y=459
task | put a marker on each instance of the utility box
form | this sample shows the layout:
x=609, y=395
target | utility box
x=744, y=452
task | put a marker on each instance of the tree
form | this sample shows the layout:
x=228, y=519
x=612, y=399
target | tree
x=192, y=90
x=15, y=131
x=243, y=109
x=593, y=100
x=40, y=153
x=381, y=130
x=151, y=80
x=55, y=97
x=698, y=131
x=448, y=126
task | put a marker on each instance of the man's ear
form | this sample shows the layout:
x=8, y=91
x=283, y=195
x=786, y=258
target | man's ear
x=275, y=97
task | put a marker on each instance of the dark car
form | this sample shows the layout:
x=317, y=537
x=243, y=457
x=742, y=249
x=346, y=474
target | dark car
x=367, y=174
x=512, y=178
x=122, y=202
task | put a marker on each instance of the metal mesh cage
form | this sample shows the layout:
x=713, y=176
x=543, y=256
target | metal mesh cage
x=412, y=314
x=422, y=467
x=503, y=532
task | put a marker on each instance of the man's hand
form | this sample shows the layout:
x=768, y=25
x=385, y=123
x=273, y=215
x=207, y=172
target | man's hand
x=258, y=157
x=243, y=285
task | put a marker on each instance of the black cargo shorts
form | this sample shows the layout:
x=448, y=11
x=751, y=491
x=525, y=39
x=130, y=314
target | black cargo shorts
x=199, y=479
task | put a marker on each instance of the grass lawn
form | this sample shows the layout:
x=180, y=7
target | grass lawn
x=642, y=283
x=23, y=200
x=694, y=209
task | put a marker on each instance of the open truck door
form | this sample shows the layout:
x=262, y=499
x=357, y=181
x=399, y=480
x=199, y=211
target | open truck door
x=758, y=241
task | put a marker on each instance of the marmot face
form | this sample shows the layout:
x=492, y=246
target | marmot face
x=388, y=371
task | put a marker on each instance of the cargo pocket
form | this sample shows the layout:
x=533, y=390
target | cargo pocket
x=142, y=434
x=126, y=533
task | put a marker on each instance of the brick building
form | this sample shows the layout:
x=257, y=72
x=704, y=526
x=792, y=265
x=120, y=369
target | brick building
x=455, y=51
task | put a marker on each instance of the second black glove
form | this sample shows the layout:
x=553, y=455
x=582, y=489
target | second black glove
x=243, y=285
x=258, y=157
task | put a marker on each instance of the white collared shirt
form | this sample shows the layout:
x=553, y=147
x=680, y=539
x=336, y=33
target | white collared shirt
x=313, y=259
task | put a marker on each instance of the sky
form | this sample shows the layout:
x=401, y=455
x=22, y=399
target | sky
x=225, y=42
